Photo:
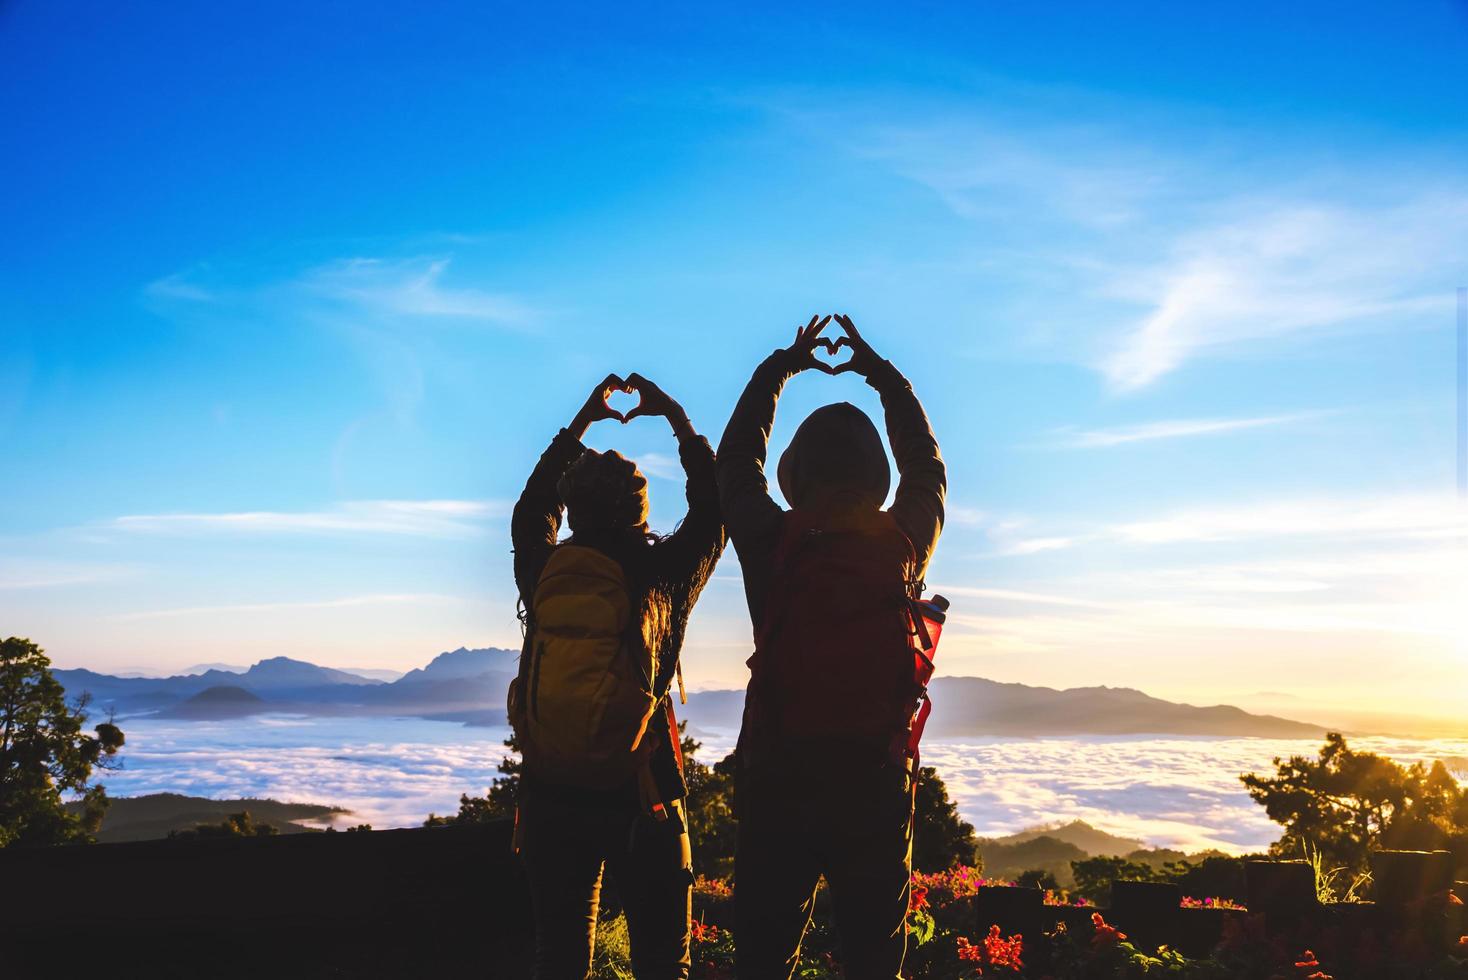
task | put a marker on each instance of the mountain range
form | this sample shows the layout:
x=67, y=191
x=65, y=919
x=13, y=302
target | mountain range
x=469, y=686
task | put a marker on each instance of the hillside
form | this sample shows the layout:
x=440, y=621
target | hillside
x=214, y=703
x=1052, y=848
x=153, y=816
x=1095, y=842
x=964, y=706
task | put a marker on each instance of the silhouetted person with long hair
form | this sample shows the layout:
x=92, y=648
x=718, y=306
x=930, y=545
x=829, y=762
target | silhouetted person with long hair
x=823, y=785
x=606, y=611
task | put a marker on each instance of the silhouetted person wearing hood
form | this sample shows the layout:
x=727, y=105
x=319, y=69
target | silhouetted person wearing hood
x=634, y=826
x=823, y=787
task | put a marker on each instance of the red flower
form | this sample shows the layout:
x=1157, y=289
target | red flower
x=918, y=899
x=996, y=951
x=1004, y=952
x=1307, y=961
x=1104, y=935
x=704, y=933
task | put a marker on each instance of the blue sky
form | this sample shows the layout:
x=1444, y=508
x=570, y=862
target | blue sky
x=291, y=299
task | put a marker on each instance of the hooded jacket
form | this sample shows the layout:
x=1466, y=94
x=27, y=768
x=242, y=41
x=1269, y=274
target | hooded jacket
x=835, y=460
x=666, y=575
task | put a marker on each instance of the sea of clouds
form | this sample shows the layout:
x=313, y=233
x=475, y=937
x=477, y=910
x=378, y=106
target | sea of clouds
x=1179, y=792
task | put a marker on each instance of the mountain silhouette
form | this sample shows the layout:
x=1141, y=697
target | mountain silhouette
x=214, y=703
x=283, y=672
x=976, y=706
x=468, y=685
x=462, y=663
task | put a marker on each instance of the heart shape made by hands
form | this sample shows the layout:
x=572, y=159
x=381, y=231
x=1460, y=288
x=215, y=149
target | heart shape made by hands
x=626, y=401
x=831, y=347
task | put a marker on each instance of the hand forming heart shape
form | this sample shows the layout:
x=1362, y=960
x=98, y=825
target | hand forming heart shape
x=623, y=396
x=831, y=347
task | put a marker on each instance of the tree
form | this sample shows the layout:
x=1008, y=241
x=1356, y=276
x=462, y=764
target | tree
x=44, y=753
x=1095, y=875
x=1344, y=803
x=235, y=825
x=712, y=826
x=940, y=839
x=497, y=803
x=1037, y=878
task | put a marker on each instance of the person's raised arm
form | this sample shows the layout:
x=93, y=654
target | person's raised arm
x=686, y=558
x=749, y=510
x=922, y=478
x=536, y=519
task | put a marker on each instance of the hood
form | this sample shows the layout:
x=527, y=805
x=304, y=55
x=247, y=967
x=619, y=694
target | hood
x=837, y=452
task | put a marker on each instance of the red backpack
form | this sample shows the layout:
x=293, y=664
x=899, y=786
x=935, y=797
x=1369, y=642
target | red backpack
x=834, y=659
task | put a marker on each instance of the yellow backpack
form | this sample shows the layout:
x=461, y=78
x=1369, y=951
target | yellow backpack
x=582, y=704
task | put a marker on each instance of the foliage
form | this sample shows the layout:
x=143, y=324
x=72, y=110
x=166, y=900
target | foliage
x=711, y=950
x=940, y=839
x=1334, y=884
x=1343, y=803
x=1217, y=876
x=1094, y=876
x=235, y=825
x=611, y=959
x=44, y=754
x=712, y=826
x=1211, y=903
x=1037, y=878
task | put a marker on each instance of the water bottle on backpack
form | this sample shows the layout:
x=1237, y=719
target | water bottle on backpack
x=928, y=616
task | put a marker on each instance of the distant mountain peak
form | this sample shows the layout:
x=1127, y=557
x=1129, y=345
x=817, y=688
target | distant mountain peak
x=287, y=672
x=463, y=662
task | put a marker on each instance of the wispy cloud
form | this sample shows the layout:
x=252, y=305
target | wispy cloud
x=1168, y=429
x=1155, y=251
x=1276, y=269
x=1033, y=546
x=278, y=607
x=1351, y=518
x=426, y=518
x=178, y=286
x=660, y=465
x=41, y=573
x=1013, y=595
x=413, y=288
x=961, y=516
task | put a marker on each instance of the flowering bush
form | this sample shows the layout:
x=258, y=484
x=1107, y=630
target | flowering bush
x=1065, y=898
x=712, y=951
x=944, y=887
x=713, y=887
x=1104, y=935
x=996, y=952
x=941, y=913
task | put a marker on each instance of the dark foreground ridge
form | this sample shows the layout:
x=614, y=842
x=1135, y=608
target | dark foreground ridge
x=451, y=901
x=441, y=901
